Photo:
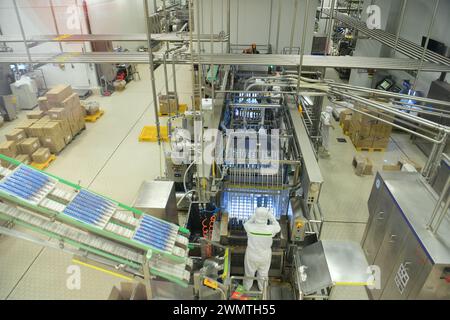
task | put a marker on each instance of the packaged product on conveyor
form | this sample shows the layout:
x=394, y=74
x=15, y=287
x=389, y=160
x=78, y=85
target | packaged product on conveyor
x=159, y=234
x=28, y=184
x=90, y=208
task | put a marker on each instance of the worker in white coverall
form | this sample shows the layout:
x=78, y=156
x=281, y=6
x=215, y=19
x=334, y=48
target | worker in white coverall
x=259, y=245
x=325, y=118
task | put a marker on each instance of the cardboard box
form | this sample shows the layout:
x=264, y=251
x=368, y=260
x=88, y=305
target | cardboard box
x=401, y=164
x=35, y=130
x=65, y=127
x=362, y=165
x=8, y=148
x=43, y=104
x=16, y=135
x=25, y=125
x=41, y=155
x=29, y=145
x=52, y=129
x=54, y=144
x=167, y=104
x=58, y=94
x=345, y=118
x=24, y=158
x=36, y=114
x=58, y=113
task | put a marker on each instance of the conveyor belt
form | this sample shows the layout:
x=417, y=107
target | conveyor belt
x=59, y=209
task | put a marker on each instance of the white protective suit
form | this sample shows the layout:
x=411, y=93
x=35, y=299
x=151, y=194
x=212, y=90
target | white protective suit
x=259, y=245
x=326, y=124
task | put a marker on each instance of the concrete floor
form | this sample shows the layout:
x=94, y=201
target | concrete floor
x=108, y=159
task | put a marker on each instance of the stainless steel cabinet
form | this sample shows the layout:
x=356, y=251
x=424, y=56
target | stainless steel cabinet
x=407, y=270
x=414, y=263
x=393, y=241
x=377, y=224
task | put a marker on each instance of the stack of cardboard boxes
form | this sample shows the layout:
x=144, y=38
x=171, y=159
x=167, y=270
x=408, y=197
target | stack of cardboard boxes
x=367, y=132
x=48, y=130
x=345, y=118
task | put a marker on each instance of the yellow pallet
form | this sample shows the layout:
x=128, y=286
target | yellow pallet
x=94, y=117
x=43, y=166
x=149, y=134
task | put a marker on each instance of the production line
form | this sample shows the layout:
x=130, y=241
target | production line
x=234, y=212
x=121, y=233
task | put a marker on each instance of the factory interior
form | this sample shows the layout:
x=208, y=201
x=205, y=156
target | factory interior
x=224, y=150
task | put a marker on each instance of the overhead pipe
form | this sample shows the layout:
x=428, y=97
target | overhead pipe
x=400, y=114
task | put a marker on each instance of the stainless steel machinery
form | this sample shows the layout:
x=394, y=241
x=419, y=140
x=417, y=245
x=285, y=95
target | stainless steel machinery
x=402, y=240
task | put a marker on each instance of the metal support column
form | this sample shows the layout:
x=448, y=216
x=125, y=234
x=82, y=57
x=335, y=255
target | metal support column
x=302, y=47
x=152, y=69
x=270, y=23
x=294, y=14
x=430, y=27
x=211, y=27
x=200, y=67
x=229, y=25
x=432, y=225
x=330, y=26
x=278, y=26
x=22, y=31
x=400, y=24
x=191, y=53
x=52, y=8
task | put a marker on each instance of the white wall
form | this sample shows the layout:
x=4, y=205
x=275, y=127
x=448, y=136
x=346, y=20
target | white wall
x=416, y=22
x=118, y=17
x=415, y=25
x=369, y=47
x=250, y=21
x=37, y=20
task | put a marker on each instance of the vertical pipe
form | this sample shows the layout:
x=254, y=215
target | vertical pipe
x=211, y=23
x=237, y=22
x=424, y=51
x=302, y=47
x=22, y=31
x=400, y=24
x=191, y=53
x=166, y=80
x=437, y=207
x=55, y=24
x=330, y=26
x=229, y=25
x=175, y=84
x=200, y=68
x=278, y=26
x=152, y=69
x=436, y=226
x=294, y=14
x=270, y=24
